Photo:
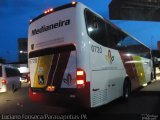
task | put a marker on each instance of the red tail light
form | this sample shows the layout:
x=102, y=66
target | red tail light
x=81, y=78
x=35, y=96
x=4, y=82
x=28, y=79
x=50, y=88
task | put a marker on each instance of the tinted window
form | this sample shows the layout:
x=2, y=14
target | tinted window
x=108, y=35
x=114, y=35
x=101, y=31
x=10, y=72
x=50, y=51
x=132, y=46
x=96, y=28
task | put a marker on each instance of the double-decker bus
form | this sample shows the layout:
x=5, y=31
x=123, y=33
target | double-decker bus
x=75, y=52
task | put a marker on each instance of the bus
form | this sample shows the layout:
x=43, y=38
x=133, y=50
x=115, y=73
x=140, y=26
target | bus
x=75, y=52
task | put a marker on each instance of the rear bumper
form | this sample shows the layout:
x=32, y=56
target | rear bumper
x=3, y=89
x=53, y=98
x=61, y=91
x=81, y=96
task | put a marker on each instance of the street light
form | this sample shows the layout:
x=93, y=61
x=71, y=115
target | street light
x=21, y=51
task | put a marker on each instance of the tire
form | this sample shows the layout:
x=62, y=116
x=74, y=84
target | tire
x=13, y=88
x=19, y=85
x=151, y=76
x=126, y=89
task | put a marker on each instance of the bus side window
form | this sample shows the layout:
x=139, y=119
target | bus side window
x=129, y=45
x=114, y=36
x=95, y=23
x=96, y=28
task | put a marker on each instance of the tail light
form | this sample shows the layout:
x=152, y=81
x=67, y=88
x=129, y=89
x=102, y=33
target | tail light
x=50, y=88
x=28, y=79
x=35, y=96
x=4, y=81
x=81, y=78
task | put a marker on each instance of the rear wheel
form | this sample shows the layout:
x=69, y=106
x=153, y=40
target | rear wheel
x=13, y=88
x=19, y=84
x=152, y=77
x=126, y=89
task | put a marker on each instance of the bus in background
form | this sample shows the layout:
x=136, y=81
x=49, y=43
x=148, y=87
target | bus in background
x=74, y=51
x=24, y=71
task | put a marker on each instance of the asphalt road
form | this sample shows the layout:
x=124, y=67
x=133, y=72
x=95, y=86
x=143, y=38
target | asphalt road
x=19, y=103
x=143, y=104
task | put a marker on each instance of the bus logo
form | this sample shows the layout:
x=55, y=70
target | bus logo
x=68, y=80
x=109, y=57
x=41, y=80
x=44, y=28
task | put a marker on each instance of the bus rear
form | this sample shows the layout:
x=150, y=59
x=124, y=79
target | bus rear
x=53, y=54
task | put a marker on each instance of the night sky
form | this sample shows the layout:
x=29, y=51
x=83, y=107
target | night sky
x=15, y=15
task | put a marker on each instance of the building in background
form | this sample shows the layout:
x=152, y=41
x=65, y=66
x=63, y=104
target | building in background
x=22, y=49
x=146, y=10
x=2, y=60
x=158, y=45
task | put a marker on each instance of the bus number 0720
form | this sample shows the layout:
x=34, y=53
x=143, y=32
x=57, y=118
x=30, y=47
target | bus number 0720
x=96, y=49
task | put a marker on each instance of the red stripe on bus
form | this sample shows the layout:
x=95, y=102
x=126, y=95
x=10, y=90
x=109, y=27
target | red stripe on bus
x=62, y=64
x=52, y=69
x=84, y=96
x=130, y=69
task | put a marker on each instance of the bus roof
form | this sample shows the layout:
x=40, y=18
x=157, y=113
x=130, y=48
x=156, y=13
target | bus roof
x=73, y=4
x=51, y=10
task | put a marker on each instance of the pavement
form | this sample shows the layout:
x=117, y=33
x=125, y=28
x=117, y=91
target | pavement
x=155, y=84
x=141, y=104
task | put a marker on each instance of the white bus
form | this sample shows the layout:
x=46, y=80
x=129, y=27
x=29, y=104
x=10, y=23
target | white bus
x=74, y=51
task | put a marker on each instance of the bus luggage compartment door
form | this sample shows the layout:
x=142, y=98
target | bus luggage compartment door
x=54, y=69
